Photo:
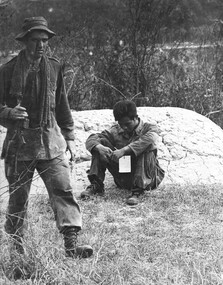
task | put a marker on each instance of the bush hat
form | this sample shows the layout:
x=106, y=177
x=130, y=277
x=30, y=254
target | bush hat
x=34, y=23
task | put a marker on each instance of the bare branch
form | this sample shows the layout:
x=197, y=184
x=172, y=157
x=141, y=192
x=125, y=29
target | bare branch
x=213, y=112
x=111, y=86
x=136, y=95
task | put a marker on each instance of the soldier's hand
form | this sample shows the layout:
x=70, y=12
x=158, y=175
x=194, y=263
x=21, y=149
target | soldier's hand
x=18, y=113
x=71, y=147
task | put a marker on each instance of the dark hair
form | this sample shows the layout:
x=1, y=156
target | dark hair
x=124, y=108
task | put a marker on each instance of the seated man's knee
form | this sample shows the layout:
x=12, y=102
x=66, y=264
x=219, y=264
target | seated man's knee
x=107, y=143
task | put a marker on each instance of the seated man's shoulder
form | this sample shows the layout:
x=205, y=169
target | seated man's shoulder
x=149, y=126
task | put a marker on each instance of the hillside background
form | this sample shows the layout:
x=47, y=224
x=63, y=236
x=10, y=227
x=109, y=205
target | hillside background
x=155, y=52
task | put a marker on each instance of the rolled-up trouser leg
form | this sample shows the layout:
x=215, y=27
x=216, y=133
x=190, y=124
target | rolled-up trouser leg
x=56, y=176
x=19, y=188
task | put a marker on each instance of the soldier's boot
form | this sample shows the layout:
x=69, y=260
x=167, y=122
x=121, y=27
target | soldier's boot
x=70, y=235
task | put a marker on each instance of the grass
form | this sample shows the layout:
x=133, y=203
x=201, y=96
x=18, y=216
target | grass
x=174, y=236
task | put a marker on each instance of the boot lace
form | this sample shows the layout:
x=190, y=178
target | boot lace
x=70, y=238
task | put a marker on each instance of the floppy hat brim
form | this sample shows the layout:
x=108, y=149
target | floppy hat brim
x=21, y=36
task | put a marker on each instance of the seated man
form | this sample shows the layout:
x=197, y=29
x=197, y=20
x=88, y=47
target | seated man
x=130, y=137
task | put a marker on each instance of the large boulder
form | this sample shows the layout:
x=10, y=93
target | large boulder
x=190, y=149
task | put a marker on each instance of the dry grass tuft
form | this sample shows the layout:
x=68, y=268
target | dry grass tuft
x=174, y=236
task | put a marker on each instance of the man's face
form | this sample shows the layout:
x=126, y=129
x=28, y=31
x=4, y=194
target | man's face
x=127, y=124
x=36, y=44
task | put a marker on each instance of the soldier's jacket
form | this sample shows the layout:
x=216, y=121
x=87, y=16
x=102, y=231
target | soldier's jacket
x=34, y=141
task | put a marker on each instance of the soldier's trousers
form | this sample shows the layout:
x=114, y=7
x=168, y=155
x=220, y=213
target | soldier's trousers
x=55, y=175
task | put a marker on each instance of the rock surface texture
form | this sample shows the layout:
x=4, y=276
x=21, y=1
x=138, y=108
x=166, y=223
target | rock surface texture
x=190, y=149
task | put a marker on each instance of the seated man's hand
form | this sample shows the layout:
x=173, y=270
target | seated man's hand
x=118, y=153
x=18, y=113
x=104, y=151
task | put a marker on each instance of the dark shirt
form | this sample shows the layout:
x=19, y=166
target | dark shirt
x=40, y=142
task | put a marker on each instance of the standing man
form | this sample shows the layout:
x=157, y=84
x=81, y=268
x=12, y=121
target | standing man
x=133, y=141
x=35, y=110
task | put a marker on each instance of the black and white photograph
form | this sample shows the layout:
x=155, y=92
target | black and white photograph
x=111, y=142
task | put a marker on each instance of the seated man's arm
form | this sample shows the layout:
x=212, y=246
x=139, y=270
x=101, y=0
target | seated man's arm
x=118, y=153
x=149, y=138
x=94, y=143
x=95, y=139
